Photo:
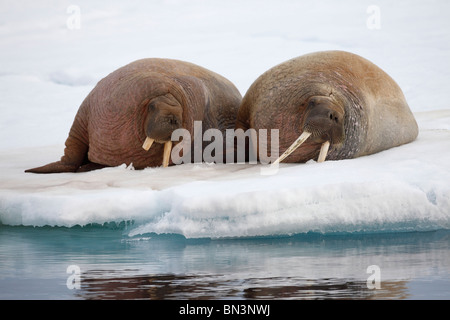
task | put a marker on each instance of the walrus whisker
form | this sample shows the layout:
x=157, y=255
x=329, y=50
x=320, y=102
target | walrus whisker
x=147, y=143
x=297, y=143
x=316, y=131
x=323, y=151
x=166, y=156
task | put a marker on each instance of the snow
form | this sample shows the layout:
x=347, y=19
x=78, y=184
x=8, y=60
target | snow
x=48, y=64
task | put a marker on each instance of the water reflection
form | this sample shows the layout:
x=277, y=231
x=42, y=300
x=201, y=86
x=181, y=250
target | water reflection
x=33, y=264
x=216, y=287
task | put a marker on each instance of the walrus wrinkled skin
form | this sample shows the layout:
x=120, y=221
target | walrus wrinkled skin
x=146, y=98
x=336, y=96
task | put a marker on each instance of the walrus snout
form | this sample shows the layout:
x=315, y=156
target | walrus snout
x=323, y=123
x=161, y=132
x=325, y=120
x=161, y=128
x=164, y=117
x=167, y=149
x=321, y=132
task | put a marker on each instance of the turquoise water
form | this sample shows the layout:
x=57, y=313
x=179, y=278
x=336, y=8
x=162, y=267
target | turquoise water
x=103, y=262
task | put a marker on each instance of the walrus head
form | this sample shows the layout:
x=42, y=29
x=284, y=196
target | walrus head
x=164, y=115
x=323, y=123
x=176, y=103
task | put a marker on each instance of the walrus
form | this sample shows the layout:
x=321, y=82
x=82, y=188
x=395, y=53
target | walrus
x=335, y=104
x=129, y=116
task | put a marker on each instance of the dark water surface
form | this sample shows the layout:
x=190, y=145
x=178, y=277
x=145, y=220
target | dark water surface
x=102, y=262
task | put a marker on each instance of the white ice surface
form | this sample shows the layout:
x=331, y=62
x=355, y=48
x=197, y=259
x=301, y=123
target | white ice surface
x=46, y=70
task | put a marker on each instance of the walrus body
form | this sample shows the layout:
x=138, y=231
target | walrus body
x=146, y=98
x=337, y=97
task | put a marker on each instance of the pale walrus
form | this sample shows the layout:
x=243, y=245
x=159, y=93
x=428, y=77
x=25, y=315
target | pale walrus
x=129, y=117
x=333, y=99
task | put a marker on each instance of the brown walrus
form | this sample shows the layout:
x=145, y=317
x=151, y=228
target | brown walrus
x=327, y=99
x=142, y=103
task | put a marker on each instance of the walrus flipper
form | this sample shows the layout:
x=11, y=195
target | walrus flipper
x=54, y=167
x=60, y=167
x=75, y=152
x=77, y=145
x=74, y=157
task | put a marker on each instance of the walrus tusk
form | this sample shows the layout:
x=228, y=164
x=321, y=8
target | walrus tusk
x=147, y=143
x=323, y=151
x=297, y=143
x=167, y=150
